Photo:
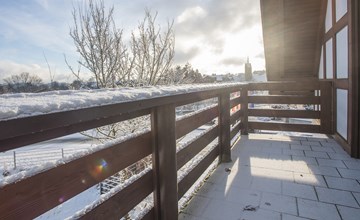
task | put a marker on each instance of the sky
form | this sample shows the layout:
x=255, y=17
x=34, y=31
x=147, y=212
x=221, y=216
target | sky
x=213, y=36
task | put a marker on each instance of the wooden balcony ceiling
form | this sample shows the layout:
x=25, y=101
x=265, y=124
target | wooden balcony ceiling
x=292, y=32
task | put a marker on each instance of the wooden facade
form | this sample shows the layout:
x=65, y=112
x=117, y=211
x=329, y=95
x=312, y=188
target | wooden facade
x=318, y=40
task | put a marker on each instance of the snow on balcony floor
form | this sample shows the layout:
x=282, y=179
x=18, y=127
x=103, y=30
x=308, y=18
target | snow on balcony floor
x=281, y=177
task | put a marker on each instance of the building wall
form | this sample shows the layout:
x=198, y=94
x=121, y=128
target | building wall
x=335, y=64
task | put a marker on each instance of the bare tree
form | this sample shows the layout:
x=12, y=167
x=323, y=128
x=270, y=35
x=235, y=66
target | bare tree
x=99, y=43
x=24, y=82
x=153, y=50
x=182, y=75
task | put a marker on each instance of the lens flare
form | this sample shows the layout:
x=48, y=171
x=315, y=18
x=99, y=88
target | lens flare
x=99, y=168
x=61, y=199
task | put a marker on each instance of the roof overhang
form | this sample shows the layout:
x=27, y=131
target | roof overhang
x=292, y=31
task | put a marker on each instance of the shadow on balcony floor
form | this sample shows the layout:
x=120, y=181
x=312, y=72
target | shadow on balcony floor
x=280, y=177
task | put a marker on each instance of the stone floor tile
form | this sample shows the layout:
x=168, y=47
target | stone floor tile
x=348, y=213
x=357, y=197
x=343, y=184
x=307, y=160
x=316, y=154
x=279, y=203
x=338, y=149
x=198, y=205
x=281, y=157
x=272, y=174
x=296, y=166
x=266, y=163
x=298, y=138
x=321, y=139
x=285, y=145
x=330, y=140
x=326, y=171
x=266, y=184
x=291, y=217
x=352, y=164
x=272, y=150
x=293, y=152
x=330, y=144
x=311, y=143
x=236, y=196
x=184, y=216
x=280, y=186
x=299, y=147
x=317, y=210
x=260, y=214
x=298, y=190
x=322, y=149
x=339, y=156
x=338, y=197
x=331, y=163
x=350, y=174
x=310, y=179
x=218, y=209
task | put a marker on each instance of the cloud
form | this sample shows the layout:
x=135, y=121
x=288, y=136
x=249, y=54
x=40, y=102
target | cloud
x=234, y=61
x=8, y=68
x=260, y=56
x=191, y=14
x=182, y=56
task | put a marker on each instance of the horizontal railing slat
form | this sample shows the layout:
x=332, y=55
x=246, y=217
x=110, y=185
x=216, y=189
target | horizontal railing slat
x=203, y=95
x=284, y=127
x=284, y=113
x=236, y=129
x=284, y=100
x=35, y=195
x=27, y=139
x=185, y=184
x=117, y=206
x=188, y=124
x=236, y=101
x=28, y=125
x=287, y=86
x=187, y=153
x=236, y=116
x=150, y=215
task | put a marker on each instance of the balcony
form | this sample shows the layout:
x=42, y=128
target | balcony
x=258, y=174
x=281, y=177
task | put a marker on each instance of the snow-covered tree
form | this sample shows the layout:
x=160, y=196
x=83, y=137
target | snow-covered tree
x=24, y=82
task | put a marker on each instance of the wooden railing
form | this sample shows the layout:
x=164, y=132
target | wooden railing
x=297, y=95
x=32, y=196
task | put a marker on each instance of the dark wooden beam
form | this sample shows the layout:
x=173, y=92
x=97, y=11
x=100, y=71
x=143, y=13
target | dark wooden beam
x=164, y=162
x=284, y=127
x=355, y=82
x=35, y=195
x=224, y=128
x=116, y=206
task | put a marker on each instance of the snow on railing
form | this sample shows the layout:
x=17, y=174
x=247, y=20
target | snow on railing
x=31, y=104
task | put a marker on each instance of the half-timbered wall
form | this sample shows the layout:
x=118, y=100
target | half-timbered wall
x=335, y=65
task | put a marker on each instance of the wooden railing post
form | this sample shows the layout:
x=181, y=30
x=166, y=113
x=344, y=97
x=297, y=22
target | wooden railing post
x=164, y=162
x=224, y=127
x=244, y=108
x=326, y=108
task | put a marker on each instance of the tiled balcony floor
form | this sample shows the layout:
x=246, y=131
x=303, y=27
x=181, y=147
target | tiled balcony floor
x=280, y=177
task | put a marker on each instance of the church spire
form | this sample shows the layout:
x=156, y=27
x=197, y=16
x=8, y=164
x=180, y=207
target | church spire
x=248, y=70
